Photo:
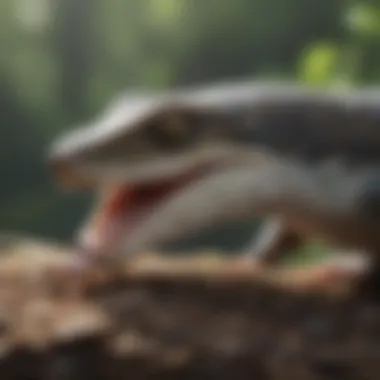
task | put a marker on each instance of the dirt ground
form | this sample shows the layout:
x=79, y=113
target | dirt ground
x=202, y=317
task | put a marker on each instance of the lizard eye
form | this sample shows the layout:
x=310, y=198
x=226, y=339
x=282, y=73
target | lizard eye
x=174, y=131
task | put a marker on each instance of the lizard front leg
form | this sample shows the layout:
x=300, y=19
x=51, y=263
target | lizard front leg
x=274, y=240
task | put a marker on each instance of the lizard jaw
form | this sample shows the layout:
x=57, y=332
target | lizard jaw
x=123, y=209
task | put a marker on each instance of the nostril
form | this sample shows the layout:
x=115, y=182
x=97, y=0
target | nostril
x=66, y=171
x=57, y=162
x=61, y=167
x=61, y=170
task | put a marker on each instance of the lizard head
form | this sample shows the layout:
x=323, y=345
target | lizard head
x=143, y=154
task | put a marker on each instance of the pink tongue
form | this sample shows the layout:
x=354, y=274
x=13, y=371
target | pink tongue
x=98, y=241
x=105, y=224
x=116, y=215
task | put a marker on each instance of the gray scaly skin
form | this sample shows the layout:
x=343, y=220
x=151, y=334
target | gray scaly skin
x=307, y=160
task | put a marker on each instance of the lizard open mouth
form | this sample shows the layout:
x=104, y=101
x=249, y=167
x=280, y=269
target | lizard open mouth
x=124, y=208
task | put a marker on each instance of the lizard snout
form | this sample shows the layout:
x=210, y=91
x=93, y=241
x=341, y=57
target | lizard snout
x=64, y=170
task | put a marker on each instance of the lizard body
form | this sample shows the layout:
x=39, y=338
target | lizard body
x=307, y=160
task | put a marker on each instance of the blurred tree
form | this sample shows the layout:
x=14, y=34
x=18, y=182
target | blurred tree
x=73, y=44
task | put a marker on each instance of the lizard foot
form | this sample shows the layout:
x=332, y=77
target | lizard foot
x=345, y=271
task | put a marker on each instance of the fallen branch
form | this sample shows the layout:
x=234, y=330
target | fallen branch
x=162, y=317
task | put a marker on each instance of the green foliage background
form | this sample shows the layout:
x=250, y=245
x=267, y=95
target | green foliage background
x=62, y=60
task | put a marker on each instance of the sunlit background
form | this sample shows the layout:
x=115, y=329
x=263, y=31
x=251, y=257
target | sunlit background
x=61, y=61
